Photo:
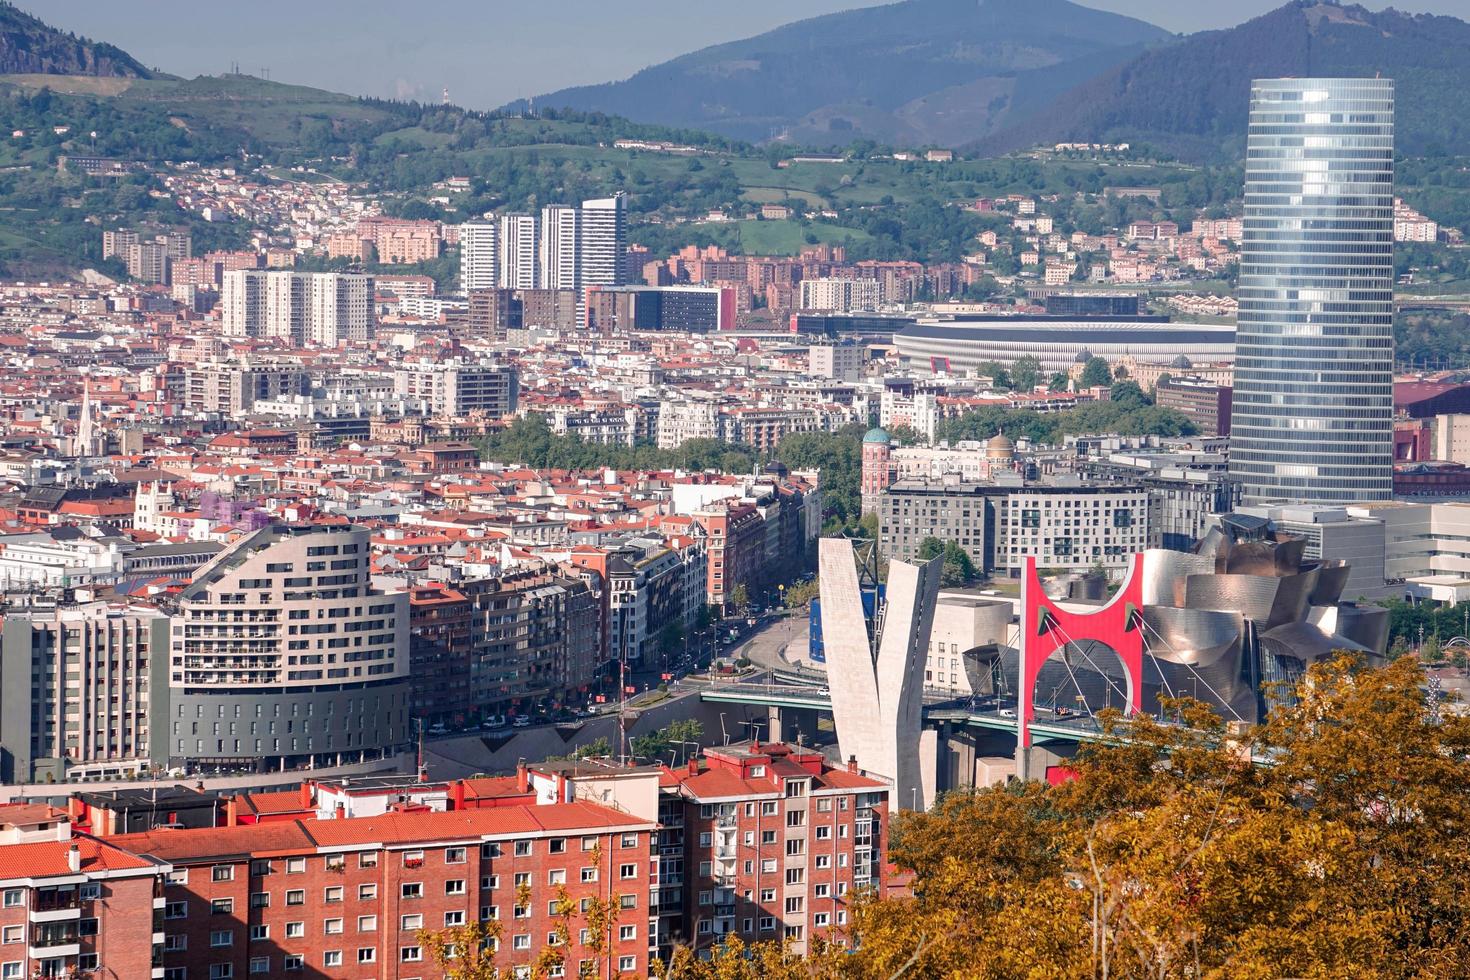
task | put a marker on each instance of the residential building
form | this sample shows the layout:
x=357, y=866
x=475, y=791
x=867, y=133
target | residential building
x=458, y=389
x=840, y=295
x=325, y=309
x=479, y=255
x=1206, y=405
x=284, y=655
x=519, y=266
x=604, y=239
x=560, y=247
x=1312, y=415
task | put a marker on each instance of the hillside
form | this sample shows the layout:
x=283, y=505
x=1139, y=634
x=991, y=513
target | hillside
x=28, y=46
x=1192, y=97
x=910, y=73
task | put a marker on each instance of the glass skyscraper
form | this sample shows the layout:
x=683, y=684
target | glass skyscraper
x=1312, y=416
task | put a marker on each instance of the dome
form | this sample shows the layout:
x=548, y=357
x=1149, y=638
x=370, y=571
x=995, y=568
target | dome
x=877, y=435
x=1181, y=362
x=999, y=447
x=1083, y=356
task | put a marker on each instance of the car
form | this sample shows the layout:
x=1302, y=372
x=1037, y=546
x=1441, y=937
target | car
x=493, y=721
x=824, y=692
x=1007, y=712
x=521, y=721
x=438, y=728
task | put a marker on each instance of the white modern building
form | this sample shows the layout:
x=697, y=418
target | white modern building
x=479, y=255
x=520, y=263
x=604, y=235
x=560, y=247
x=324, y=309
x=841, y=295
x=458, y=389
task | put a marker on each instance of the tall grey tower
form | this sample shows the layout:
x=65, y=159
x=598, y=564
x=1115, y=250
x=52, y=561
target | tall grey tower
x=1312, y=417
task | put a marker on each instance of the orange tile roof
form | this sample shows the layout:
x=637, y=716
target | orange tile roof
x=50, y=858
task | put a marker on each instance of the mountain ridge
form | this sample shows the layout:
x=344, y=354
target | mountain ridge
x=914, y=71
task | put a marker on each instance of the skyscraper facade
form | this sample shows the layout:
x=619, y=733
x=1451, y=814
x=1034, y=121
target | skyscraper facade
x=604, y=240
x=479, y=255
x=1312, y=418
x=519, y=264
x=561, y=228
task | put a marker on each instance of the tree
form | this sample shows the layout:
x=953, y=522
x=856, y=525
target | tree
x=958, y=568
x=1096, y=372
x=464, y=952
x=739, y=597
x=801, y=595
x=1026, y=373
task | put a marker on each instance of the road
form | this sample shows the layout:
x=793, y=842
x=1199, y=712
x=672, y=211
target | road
x=780, y=644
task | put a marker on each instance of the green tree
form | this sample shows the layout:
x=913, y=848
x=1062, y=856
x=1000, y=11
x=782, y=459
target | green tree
x=958, y=567
x=1096, y=372
x=1026, y=372
x=739, y=598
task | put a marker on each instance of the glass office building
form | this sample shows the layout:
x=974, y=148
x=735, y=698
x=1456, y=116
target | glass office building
x=1312, y=419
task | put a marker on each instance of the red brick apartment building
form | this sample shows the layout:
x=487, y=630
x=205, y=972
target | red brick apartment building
x=338, y=879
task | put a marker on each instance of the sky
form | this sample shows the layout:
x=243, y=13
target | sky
x=489, y=52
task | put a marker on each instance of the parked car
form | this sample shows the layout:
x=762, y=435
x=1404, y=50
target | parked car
x=438, y=729
x=824, y=692
x=521, y=721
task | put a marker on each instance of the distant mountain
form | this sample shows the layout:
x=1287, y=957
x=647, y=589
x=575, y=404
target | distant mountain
x=30, y=47
x=916, y=72
x=1192, y=96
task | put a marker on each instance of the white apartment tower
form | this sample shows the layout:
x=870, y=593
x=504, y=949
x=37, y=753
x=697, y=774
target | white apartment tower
x=604, y=240
x=560, y=247
x=479, y=255
x=520, y=234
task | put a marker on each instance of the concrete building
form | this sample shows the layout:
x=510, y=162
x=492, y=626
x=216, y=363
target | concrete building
x=604, y=239
x=479, y=255
x=560, y=248
x=1450, y=438
x=148, y=262
x=1206, y=405
x=1064, y=525
x=457, y=389
x=321, y=308
x=685, y=309
x=1336, y=533
x=968, y=632
x=232, y=389
x=1312, y=417
x=1427, y=548
x=519, y=266
x=283, y=655
x=83, y=691
x=839, y=362
x=841, y=295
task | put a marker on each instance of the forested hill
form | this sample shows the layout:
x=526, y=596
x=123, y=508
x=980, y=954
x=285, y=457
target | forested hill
x=31, y=47
x=915, y=72
x=1192, y=97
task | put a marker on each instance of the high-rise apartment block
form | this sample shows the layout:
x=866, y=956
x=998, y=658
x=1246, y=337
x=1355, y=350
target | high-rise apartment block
x=479, y=255
x=320, y=308
x=1312, y=411
x=560, y=246
x=519, y=267
x=283, y=655
x=604, y=237
x=458, y=389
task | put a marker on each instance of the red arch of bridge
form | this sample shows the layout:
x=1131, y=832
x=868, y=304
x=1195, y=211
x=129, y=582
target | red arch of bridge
x=1045, y=628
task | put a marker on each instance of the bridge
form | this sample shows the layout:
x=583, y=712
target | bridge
x=995, y=713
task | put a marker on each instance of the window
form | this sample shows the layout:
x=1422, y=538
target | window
x=89, y=892
x=413, y=859
x=629, y=840
x=332, y=927
x=491, y=850
x=627, y=933
x=523, y=941
x=627, y=964
x=627, y=901
x=367, y=923
x=589, y=843
x=332, y=893
x=15, y=898
x=589, y=875
x=222, y=906
x=295, y=930
x=367, y=892
x=295, y=866
x=221, y=971
x=175, y=943
x=223, y=872
x=260, y=868
x=454, y=918
x=170, y=973
x=259, y=933
x=557, y=876
x=523, y=878
x=367, y=954
x=293, y=962
x=411, y=923
x=557, y=845
x=260, y=964
x=336, y=862
x=822, y=891
x=824, y=833
x=411, y=954
x=260, y=900
x=821, y=919
x=176, y=910
x=768, y=808
x=824, y=860
x=768, y=895
x=454, y=886
x=219, y=938
x=332, y=957
x=13, y=934
x=367, y=859
x=523, y=848
x=706, y=839
x=793, y=904
x=795, y=876
x=489, y=882
x=412, y=889
x=454, y=855
x=628, y=871
x=296, y=896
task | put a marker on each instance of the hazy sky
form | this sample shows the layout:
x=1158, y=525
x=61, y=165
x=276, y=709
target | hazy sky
x=489, y=52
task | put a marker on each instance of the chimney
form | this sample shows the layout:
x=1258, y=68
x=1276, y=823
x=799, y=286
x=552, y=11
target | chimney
x=523, y=777
x=232, y=812
x=755, y=745
x=693, y=766
x=74, y=859
x=306, y=795
x=341, y=811
x=852, y=763
x=458, y=803
x=75, y=808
